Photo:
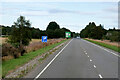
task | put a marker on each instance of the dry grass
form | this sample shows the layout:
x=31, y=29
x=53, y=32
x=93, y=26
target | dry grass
x=35, y=40
x=107, y=42
x=3, y=40
x=37, y=44
x=7, y=58
x=10, y=65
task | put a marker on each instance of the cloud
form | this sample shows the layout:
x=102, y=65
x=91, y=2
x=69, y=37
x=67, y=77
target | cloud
x=113, y=10
x=70, y=11
x=34, y=13
x=53, y=12
x=61, y=11
x=110, y=17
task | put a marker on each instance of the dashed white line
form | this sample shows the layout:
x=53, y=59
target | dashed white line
x=85, y=53
x=100, y=76
x=103, y=48
x=94, y=66
x=88, y=56
x=90, y=59
x=50, y=62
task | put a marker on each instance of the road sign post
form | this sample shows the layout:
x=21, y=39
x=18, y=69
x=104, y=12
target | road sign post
x=68, y=34
x=44, y=39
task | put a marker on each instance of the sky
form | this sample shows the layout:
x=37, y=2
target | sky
x=72, y=15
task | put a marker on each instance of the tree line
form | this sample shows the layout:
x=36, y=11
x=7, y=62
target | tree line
x=53, y=30
x=98, y=32
x=21, y=31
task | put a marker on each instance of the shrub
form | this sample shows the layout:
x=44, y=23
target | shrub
x=9, y=50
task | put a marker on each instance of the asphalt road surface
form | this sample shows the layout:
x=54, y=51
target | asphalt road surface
x=79, y=59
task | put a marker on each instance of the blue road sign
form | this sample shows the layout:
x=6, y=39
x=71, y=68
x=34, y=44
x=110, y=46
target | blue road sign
x=44, y=38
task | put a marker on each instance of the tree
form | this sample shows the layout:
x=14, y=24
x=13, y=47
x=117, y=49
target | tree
x=6, y=30
x=93, y=31
x=53, y=26
x=57, y=33
x=21, y=34
x=50, y=33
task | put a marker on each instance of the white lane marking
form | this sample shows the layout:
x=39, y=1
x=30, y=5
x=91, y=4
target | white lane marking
x=88, y=56
x=85, y=53
x=100, y=76
x=90, y=59
x=50, y=62
x=94, y=66
x=103, y=48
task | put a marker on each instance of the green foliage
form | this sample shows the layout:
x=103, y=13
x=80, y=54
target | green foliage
x=13, y=63
x=98, y=32
x=53, y=26
x=115, y=48
x=6, y=30
x=93, y=31
x=58, y=33
x=113, y=35
x=21, y=34
x=74, y=35
x=50, y=33
x=53, y=31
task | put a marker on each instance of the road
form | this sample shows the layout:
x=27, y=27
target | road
x=79, y=59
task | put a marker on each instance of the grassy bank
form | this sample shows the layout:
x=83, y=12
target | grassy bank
x=12, y=64
x=115, y=48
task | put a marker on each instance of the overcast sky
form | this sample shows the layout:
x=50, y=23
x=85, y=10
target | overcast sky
x=72, y=15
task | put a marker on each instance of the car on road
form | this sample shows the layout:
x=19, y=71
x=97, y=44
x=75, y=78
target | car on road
x=78, y=37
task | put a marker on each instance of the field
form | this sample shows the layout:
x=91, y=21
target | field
x=3, y=40
x=105, y=44
x=14, y=63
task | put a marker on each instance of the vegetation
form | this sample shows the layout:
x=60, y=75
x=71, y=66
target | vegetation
x=93, y=31
x=98, y=32
x=115, y=48
x=53, y=26
x=112, y=35
x=14, y=63
x=20, y=34
x=53, y=30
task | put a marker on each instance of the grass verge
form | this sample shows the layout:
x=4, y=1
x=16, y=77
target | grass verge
x=8, y=66
x=115, y=48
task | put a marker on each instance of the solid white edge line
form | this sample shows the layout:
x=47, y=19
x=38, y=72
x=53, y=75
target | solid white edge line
x=102, y=48
x=50, y=62
x=100, y=76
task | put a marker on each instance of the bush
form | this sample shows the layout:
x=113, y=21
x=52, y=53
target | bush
x=9, y=50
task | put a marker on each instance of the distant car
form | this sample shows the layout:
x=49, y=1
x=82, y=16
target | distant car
x=78, y=37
